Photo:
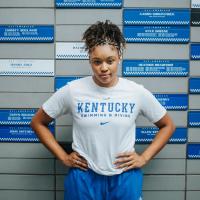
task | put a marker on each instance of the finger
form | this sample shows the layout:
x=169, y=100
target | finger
x=125, y=154
x=129, y=167
x=122, y=160
x=125, y=164
x=80, y=165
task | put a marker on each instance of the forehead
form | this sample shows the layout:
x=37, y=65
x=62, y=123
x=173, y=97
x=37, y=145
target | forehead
x=104, y=51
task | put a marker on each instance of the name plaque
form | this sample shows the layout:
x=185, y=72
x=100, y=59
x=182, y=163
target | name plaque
x=147, y=134
x=193, y=151
x=157, y=34
x=19, y=134
x=156, y=16
x=89, y=3
x=194, y=85
x=195, y=51
x=194, y=118
x=17, y=116
x=62, y=81
x=26, y=33
x=195, y=3
x=195, y=17
x=22, y=67
x=158, y=68
x=71, y=50
x=173, y=101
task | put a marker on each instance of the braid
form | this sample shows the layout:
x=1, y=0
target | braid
x=102, y=33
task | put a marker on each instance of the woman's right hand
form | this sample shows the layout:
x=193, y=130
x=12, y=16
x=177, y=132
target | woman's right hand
x=74, y=159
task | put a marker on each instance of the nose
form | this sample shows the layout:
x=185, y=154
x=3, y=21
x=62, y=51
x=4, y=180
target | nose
x=104, y=67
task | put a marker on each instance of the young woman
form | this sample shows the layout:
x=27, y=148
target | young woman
x=104, y=107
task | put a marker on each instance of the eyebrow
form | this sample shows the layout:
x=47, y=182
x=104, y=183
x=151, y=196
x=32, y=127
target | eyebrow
x=96, y=58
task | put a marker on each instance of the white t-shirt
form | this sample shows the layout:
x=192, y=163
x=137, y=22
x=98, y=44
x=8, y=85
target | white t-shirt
x=103, y=118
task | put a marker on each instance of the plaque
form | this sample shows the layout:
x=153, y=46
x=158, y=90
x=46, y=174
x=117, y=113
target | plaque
x=194, y=118
x=147, y=134
x=17, y=116
x=195, y=51
x=157, y=34
x=194, y=85
x=20, y=67
x=195, y=18
x=195, y=3
x=156, y=16
x=89, y=3
x=26, y=33
x=173, y=101
x=71, y=50
x=61, y=81
x=193, y=151
x=19, y=134
x=158, y=68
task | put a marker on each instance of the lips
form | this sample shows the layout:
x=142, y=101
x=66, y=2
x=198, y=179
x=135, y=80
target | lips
x=104, y=76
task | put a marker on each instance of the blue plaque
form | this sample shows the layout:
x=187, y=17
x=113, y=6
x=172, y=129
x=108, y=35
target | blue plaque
x=19, y=134
x=157, y=34
x=147, y=134
x=89, y=3
x=61, y=81
x=155, y=68
x=173, y=101
x=17, y=116
x=194, y=118
x=156, y=16
x=195, y=51
x=194, y=85
x=26, y=33
x=193, y=151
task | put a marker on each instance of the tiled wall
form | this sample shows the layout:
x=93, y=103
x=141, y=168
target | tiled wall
x=27, y=170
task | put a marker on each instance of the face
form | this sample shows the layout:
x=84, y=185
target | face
x=104, y=60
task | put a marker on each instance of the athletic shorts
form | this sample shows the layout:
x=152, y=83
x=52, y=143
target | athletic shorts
x=88, y=185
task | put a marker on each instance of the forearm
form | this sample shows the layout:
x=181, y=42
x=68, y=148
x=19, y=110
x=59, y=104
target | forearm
x=47, y=138
x=158, y=143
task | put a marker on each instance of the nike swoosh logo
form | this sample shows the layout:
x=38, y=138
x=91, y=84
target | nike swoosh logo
x=103, y=123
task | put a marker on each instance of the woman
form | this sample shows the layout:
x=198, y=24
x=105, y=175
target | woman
x=104, y=107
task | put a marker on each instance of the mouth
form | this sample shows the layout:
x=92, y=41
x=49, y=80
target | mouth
x=104, y=76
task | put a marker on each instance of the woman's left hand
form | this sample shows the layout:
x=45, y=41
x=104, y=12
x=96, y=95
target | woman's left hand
x=129, y=160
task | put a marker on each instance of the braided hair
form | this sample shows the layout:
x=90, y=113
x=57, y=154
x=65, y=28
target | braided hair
x=102, y=33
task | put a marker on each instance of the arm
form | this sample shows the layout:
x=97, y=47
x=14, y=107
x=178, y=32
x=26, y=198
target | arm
x=39, y=124
x=130, y=160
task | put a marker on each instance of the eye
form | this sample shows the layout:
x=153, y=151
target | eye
x=110, y=62
x=96, y=62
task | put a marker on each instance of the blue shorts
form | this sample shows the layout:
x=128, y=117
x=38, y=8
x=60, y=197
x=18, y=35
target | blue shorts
x=88, y=185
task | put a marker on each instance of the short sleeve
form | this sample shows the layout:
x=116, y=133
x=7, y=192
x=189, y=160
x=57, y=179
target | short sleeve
x=150, y=106
x=58, y=104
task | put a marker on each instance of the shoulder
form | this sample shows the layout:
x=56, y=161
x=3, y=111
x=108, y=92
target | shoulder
x=130, y=84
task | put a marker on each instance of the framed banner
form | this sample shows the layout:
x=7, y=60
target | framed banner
x=173, y=101
x=61, y=81
x=157, y=34
x=19, y=134
x=89, y=3
x=21, y=67
x=156, y=16
x=158, y=68
x=71, y=50
x=147, y=134
x=26, y=33
x=194, y=118
x=195, y=51
x=194, y=85
x=193, y=151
